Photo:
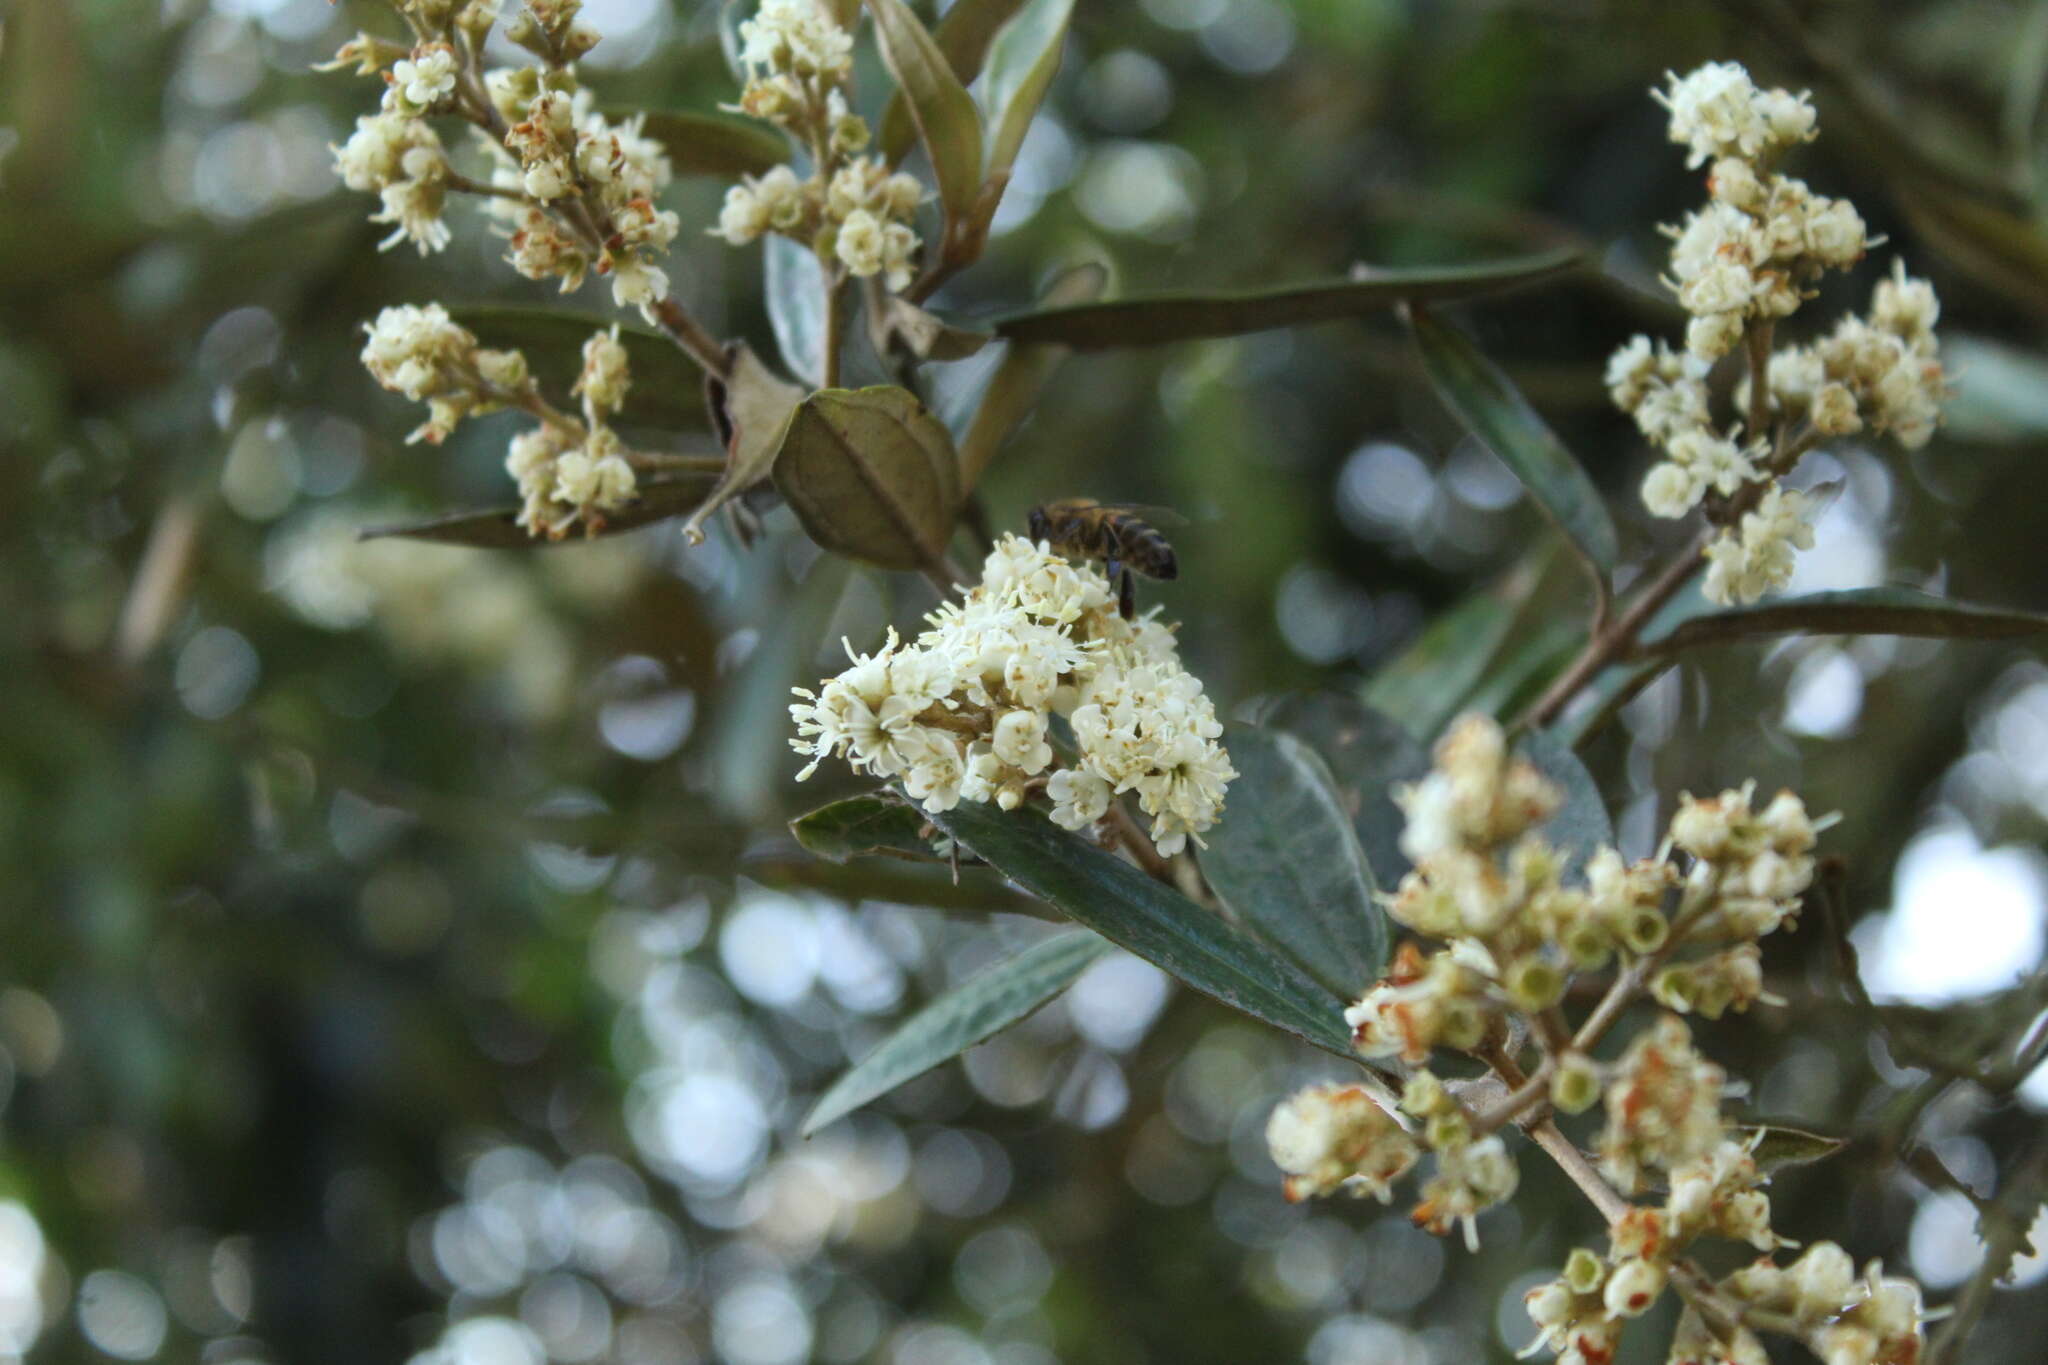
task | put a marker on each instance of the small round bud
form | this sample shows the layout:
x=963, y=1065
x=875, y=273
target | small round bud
x=1464, y=1025
x=1673, y=989
x=1583, y=1271
x=1644, y=929
x=1633, y=1287
x=1424, y=1095
x=1575, y=1085
x=1587, y=945
x=1447, y=1131
x=1534, y=984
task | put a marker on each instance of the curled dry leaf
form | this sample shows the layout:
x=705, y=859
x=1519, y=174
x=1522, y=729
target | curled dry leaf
x=750, y=408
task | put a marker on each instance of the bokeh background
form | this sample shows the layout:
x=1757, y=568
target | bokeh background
x=400, y=949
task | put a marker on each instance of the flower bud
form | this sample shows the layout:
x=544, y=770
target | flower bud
x=1575, y=1085
x=1534, y=984
x=1633, y=1287
x=1584, y=1271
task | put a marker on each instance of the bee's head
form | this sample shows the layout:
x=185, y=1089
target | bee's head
x=1036, y=523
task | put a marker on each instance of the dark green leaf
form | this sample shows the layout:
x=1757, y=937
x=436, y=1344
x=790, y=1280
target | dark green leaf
x=1427, y=684
x=1191, y=317
x=713, y=144
x=1367, y=753
x=498, y=528
x=948, y=123
x=1856, y=611
x=1017, y=381
x=879, y=822
x=1490, y=406
x=1285, y=858
x=1158, y=924
x=963, y=35
x=793, y=287
x=971, y=1012
x=1779, y=1146
x=1021, y=65
x=871, y=475
x=1581, y=824
x=668, y=388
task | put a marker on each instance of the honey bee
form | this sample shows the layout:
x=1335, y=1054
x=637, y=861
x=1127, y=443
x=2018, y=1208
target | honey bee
x=1114, y=533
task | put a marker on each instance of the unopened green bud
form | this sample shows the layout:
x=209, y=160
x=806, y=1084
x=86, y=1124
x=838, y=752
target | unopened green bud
x=1645, y=929
x=1587, y=945
x=1448, y=1131
x=1424, y=1095
x=1575, y=1085
x=1673, y=989
x=1464, y=1025
x=1534, y=984
x=1583, y=1271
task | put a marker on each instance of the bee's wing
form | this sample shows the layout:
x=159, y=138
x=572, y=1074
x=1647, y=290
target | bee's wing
x=1151, y=513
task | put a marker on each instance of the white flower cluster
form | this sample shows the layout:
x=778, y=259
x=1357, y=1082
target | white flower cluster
x=426, y=355
x=400, y=159
x=962, y=713
x=1844, y=1318
x=1742, y=262
x=852, y=209
x=576, y=192
x=568, y=473
x=564, y=156
x=1336, y=1137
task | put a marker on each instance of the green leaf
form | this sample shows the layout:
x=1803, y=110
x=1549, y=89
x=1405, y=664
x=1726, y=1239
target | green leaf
x=1856, y=611
x=1014, y=386
x=712, y=144
x=1161, y=318
x=1367, y=753
x=879, y=822
x=970, y=1013
x=871, y=475
x=1021, y=65
x=752, y=406
x=793, y=287
x=1778, y=1146
x=668, y=388
x=1493, y=409
x=1581, y=824
x=1427, y=684
x=963, y=35
x=1157, y=923
x=498, y=528
x=948, y=123
x=1285, y=858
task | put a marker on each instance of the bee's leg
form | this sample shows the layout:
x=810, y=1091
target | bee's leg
x=1126, y=594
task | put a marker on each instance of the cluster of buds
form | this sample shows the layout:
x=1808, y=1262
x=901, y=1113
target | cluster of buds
x=1842, y=1317
x=852, y=210
x=1740, y=264
x=1516, y=927
x=962, y=713
x=569, y=471
x=573, y=191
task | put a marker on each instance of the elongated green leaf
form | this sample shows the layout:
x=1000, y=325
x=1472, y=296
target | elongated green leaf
x=1158, y=924
x=1488, y=403
x=1427, y=684
x=948, y=123
x=1581, y=823
x=879, y=822
x=1286, y=859
x=1161, y=318
x=1368, y=753
x=1778, y=1146
x=1021, y=65
x=498, y=528
x=963, y=35
x=1014, y=386
x=668, y=389
x=972, y=1012
x=712, y=144
x=793, y=287
x=1856, y=611
x=871, y=475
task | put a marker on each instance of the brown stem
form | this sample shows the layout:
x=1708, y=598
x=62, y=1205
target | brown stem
x=1757, y=342
x=1138, y=844
x=1613, y=643
x=835, y=326
x=1580, y=1168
